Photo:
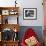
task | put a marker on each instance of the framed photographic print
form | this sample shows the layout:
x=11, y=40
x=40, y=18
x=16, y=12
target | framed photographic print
x=30, y=13
x=5, y=12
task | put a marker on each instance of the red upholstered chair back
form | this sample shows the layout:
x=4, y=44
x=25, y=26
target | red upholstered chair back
x=29, y=33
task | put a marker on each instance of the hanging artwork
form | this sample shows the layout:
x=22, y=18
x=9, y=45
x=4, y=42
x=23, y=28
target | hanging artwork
x=30, y=13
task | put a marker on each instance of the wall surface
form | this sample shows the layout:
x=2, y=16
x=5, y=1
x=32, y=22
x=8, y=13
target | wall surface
x=31, y=4
x=7, y=3
x=26, y=4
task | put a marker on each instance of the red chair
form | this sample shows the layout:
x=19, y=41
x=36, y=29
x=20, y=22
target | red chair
x=29, y=33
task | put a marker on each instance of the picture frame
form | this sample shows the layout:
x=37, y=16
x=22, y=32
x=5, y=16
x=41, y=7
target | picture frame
x=5, y=12
x=29, y=13
x=12, y=12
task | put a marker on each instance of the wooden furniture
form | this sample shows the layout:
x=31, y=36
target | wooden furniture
x=5, y=13
x=10, y=43
x=0, y=43
x=8, y=11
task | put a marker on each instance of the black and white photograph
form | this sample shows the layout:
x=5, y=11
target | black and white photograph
x=30, y=13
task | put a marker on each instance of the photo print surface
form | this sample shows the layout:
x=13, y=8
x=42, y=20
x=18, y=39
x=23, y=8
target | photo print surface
x=30, y=13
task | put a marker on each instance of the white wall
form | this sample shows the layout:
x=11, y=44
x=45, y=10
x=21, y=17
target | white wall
x=27, y=4
x=7, y=3
x=31, y=4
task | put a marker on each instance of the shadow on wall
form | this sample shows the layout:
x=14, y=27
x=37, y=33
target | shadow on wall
x=37, y=29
